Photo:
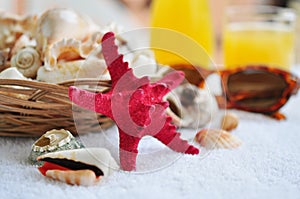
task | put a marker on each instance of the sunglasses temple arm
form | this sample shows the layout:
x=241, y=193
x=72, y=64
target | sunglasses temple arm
x=297, y=86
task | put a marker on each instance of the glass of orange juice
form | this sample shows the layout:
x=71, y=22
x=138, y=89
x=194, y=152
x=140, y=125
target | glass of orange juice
x=182, y=32
x=259, y=35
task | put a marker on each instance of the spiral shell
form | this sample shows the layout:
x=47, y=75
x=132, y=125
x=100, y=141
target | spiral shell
x=217, y=139
x=27, y=61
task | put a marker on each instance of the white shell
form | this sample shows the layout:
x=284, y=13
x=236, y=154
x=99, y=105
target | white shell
x=90, y=68
x=12, y=73
x=98, y=157
x=59, y=23
x=66, y=50
x=52, y=140
x=22, y=42
x=143, y=63
x=27, y=61
x=196, y=107
x=11, y=26
x=217, y=139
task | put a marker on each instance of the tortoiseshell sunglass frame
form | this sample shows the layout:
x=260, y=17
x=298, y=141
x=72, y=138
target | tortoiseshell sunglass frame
x=291, y=80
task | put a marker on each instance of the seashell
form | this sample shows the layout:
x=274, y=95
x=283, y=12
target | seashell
x=3, y=58
x=117, y=29
x=12, y=73
x=12, y=26
x=27, y=61
x=143, y=63
x=217, y=139
x=62, y=72
x=51, y=141
x=191, y=106
x=90, y=68
x=64, y=50
x=59, y=23
x=79, y=166
x=22, y=42
x=229, y=122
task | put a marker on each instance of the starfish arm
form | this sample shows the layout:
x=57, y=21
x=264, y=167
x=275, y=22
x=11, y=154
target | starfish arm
x=128, y=150
x=97, y=102
x=158, y=91
x=172, y=80
x=171, y=138
x=116, y=66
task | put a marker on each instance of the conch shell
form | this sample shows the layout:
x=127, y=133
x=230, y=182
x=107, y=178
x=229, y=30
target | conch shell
x=79, y=166
x=27, y=61
x=58, y=23
x=217, y=139
x=191, y=106
x=64, y=50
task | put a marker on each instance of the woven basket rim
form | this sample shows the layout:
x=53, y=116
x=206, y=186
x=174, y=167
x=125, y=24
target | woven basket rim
x=30, y=108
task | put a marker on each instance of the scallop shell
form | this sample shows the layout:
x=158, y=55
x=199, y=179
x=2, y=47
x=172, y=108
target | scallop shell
x=191, y=106
x=27, y=61
x=59, y=23
x=64, y=50
x=84, y=166
x=217, y=139
x=229, y=122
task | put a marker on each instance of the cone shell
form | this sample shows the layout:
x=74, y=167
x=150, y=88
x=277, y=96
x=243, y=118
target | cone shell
x=217, y=139
x=95, y=157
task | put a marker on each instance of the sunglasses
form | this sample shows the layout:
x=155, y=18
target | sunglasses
x=259, y=89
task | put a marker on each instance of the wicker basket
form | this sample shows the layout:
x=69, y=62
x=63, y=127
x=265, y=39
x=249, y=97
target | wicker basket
x=29, y=108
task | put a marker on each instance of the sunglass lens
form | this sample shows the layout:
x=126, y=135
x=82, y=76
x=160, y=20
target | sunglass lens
x=255, y=89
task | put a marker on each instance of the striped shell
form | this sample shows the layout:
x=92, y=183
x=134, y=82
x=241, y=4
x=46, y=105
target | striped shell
x=81, y=177
x=217, y=139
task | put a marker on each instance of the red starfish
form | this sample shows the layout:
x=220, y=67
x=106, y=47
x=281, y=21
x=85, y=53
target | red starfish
x=135, y=104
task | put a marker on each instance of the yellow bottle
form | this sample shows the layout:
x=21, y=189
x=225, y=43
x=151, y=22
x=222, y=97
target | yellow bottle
x=181, y=32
